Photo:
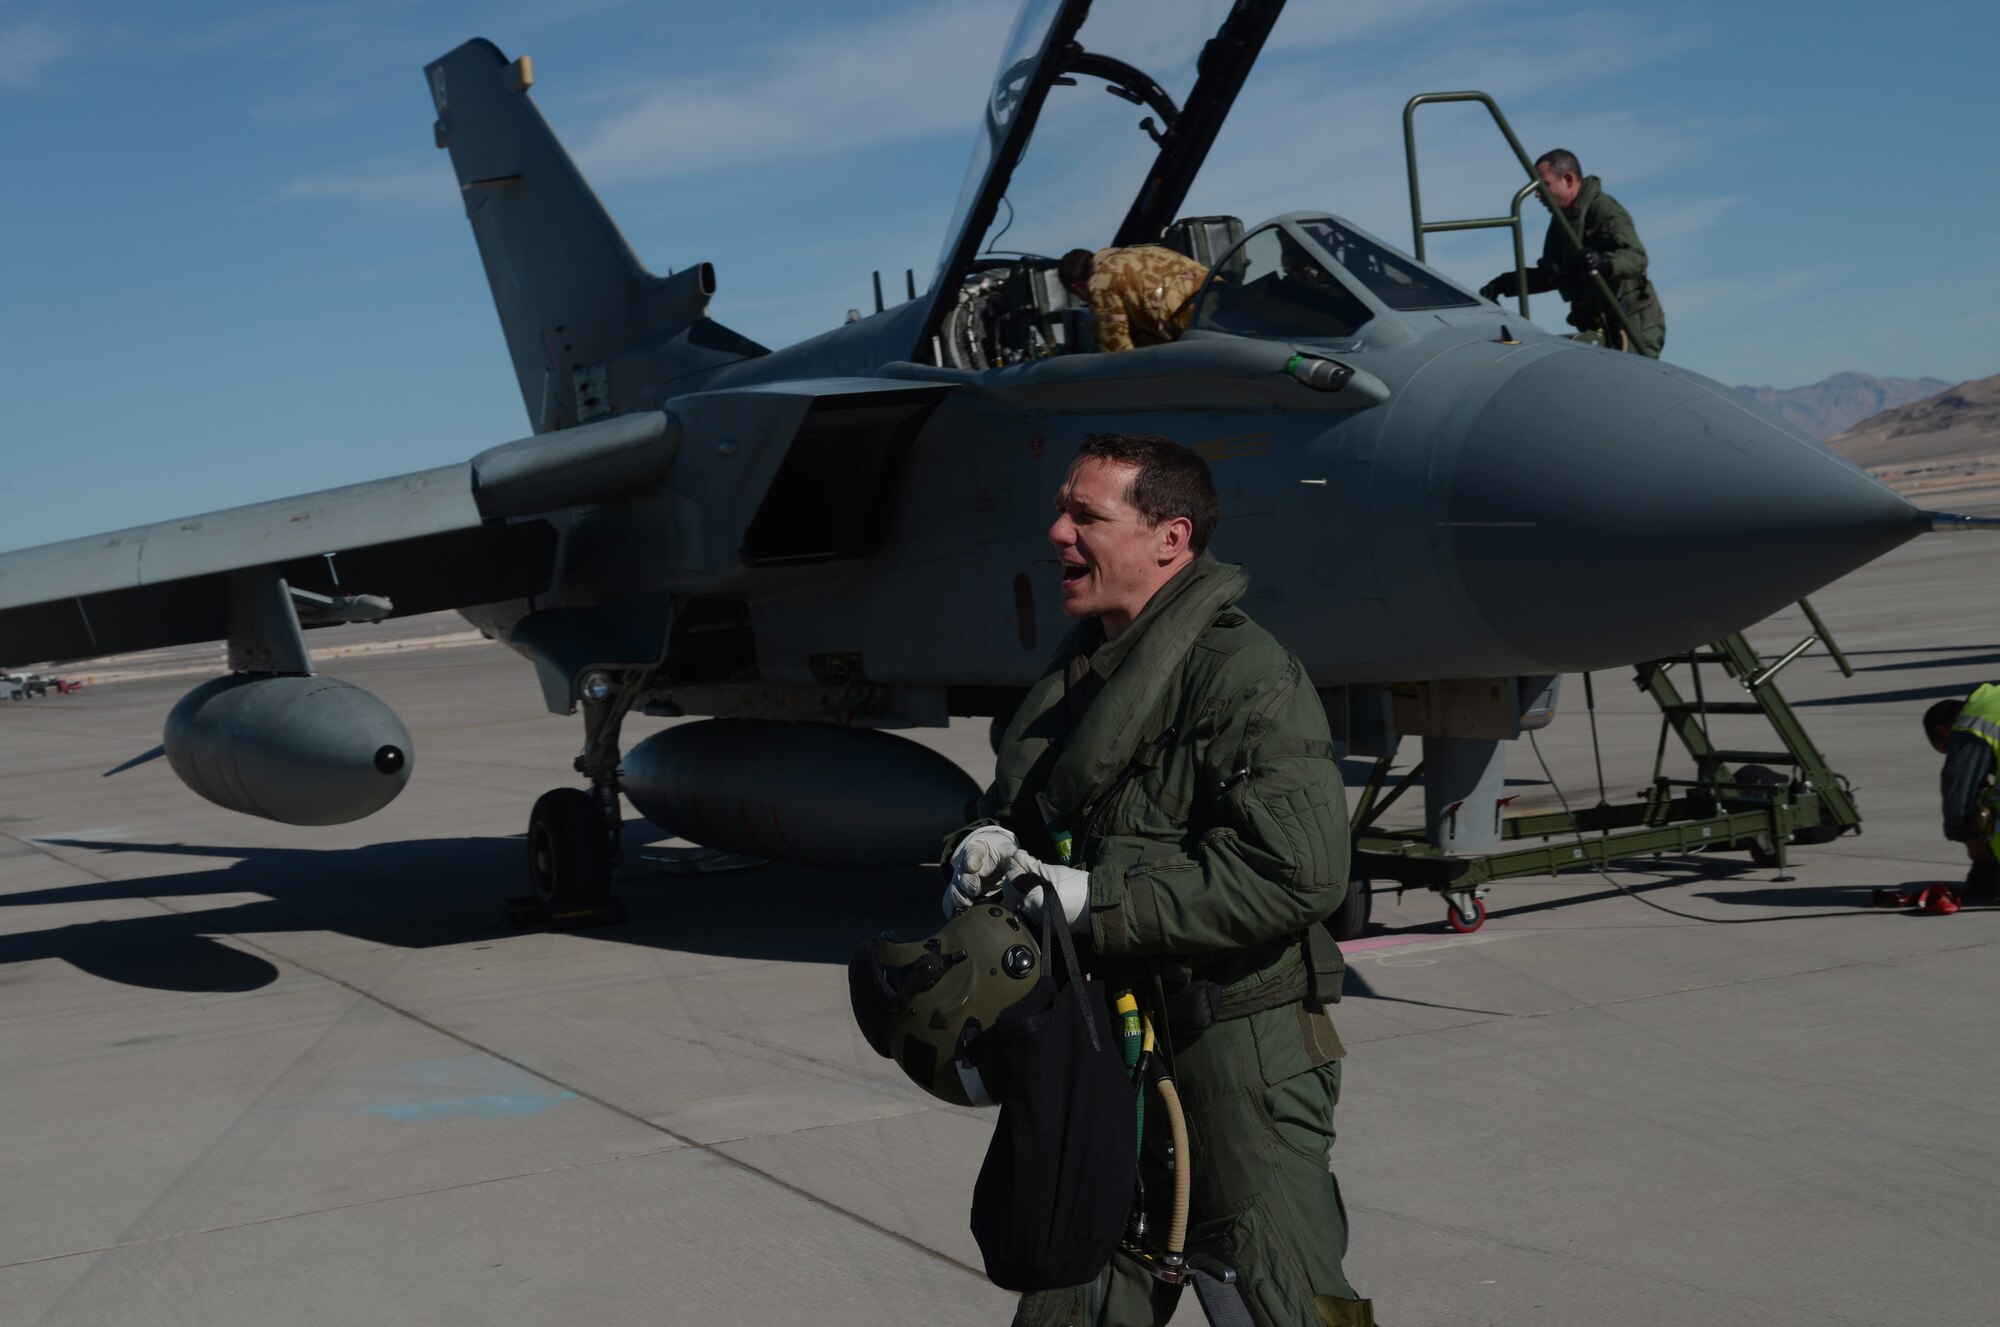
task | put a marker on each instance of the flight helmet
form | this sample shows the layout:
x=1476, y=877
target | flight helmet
x=924, y=1004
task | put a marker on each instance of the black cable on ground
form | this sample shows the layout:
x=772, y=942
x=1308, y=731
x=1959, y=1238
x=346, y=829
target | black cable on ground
x=1598, y=866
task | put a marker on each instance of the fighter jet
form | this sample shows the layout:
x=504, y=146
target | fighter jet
x=806, y=548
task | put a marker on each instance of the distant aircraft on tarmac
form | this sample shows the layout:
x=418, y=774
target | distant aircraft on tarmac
x=816, y=544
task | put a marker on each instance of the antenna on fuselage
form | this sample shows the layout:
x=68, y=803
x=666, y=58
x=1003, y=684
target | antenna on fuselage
x=878, y=292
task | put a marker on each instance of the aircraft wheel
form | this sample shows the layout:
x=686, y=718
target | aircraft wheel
x=569, y=854
x=1459, y=922
x=1350, y=919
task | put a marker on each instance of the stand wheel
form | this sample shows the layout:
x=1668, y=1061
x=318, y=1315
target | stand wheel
x=1457, y=920
x=569, y=854
x=1762, y=855
x=1350, y=919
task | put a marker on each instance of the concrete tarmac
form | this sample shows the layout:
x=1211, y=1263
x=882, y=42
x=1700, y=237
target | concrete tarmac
x=252, y=1074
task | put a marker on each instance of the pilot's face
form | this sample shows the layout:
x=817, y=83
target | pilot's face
x=1301, y=268
x=1563, y=188
x=1112, y=560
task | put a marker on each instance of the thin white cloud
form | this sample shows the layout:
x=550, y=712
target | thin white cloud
x=1345, y=104
x=1668, y=226
x=1316, y=25
x=270, y=31
x=26, y=49
x=402, y=183
x=897, y=77
x=1695, y=297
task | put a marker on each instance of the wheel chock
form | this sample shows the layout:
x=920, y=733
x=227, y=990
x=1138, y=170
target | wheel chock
x=526, y=911
x=1936, y=899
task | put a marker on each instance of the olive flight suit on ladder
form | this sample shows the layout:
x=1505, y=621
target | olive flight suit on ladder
x=1606, y=227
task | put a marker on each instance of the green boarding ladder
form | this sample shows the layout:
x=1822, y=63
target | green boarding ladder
x=1741, y=775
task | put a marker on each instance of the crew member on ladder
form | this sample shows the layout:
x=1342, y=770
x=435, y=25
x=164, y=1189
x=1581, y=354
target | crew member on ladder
x=1611, y=249
x=1967, y=733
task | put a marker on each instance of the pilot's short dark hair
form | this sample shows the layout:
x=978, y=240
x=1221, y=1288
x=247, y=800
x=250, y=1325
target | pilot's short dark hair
x=1172, y=481
x=1561, y=161
x=1074, y=267
x=1942, y=715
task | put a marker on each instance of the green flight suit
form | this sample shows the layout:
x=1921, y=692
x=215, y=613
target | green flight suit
x=1189, y=761
x=1606, y=227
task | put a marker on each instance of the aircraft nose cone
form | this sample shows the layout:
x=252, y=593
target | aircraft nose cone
x=1607, y=509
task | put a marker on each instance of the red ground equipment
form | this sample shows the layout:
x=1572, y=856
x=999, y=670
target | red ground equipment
x=1936, y=899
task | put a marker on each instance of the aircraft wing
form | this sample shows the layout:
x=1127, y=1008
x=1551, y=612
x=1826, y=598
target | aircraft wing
x=445, y=538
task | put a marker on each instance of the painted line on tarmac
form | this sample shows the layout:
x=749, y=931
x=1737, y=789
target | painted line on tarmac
x=371, y=997
x=98, y=834
x=1415, y=944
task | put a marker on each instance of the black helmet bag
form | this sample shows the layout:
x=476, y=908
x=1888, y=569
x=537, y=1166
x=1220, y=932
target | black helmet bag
x=1056, y=1189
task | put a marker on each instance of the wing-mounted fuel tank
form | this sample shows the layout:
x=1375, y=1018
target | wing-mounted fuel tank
x=302, y=750
x=810, y=794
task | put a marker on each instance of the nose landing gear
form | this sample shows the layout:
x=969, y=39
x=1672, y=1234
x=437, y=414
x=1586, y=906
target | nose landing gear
x=1466, y=912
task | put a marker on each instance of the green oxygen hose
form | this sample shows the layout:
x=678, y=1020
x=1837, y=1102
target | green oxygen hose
x=1132, y=1040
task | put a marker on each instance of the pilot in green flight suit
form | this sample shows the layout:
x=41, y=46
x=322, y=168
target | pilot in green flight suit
x=1611, y=249
x=1180, y=754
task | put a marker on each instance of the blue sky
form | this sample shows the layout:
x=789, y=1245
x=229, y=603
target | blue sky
x=235, y=267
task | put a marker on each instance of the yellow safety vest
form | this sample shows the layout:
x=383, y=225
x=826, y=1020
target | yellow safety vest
x=1981, y=719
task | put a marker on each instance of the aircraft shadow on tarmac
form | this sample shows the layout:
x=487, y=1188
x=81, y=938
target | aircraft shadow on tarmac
x=421, y=893
x=425, y=892
x=1893, y=697
x=1801, y=896
x=1956, y=661
x=1821, y=896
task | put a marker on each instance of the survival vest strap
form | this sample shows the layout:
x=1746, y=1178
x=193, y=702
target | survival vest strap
x=1201, y=1004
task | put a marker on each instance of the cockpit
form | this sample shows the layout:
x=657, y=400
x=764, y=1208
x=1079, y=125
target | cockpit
x=1314, y=278
x=1101, y=172
x=1302, y=277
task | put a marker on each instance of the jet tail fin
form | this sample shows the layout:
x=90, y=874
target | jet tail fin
x=590, y=330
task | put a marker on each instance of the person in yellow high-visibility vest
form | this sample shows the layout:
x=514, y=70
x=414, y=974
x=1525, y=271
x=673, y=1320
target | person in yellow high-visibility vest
x=1967, y=733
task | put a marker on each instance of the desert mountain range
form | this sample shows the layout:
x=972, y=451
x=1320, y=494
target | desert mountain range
x=1934, y=443
x=1944, y=444
x=1837, y=404
x=1957, y=422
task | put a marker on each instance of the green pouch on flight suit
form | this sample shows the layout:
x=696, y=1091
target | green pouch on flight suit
x=1301, y=1035
x=1326, y=968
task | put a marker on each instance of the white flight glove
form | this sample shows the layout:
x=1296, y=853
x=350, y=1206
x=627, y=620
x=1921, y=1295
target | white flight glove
x=983, y=861
x=1072, y=891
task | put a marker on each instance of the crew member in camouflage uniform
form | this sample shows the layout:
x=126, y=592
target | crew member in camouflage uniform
x=1171, y=774
x=1141, y=296
x=1611, y=249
